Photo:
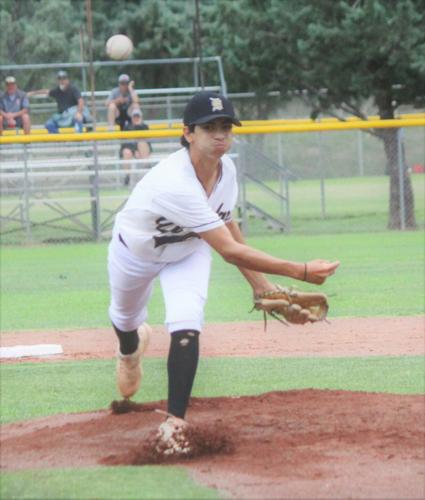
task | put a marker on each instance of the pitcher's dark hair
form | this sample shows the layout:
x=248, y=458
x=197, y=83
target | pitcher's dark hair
x=183, y=141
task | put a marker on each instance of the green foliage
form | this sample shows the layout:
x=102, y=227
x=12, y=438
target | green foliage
x=355, y=49
x=158, y=28
x=36, y=31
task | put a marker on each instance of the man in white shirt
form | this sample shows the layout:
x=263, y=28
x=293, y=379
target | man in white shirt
x=179, y=211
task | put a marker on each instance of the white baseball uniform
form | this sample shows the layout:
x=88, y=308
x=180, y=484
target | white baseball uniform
x=156, y=234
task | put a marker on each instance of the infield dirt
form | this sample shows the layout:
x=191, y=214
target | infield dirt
x=295, y=444
x=343, y=337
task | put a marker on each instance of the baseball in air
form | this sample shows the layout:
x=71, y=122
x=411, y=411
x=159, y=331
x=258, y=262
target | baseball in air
x=119, y=47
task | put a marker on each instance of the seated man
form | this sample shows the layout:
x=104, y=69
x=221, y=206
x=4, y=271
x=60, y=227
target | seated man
x=138, y=149
x=71, y=110
x=121, y=102
x=14, y=107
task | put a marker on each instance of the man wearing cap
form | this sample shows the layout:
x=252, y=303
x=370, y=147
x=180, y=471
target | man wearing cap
x=180, y=210
x=71, y=110
x=122, y=101
x=14, y=107
x=139, y=149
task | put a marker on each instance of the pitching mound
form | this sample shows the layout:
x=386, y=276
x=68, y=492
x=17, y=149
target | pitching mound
x=295, y=444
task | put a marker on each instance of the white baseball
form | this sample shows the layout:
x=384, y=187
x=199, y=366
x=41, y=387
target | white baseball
x=119, y=47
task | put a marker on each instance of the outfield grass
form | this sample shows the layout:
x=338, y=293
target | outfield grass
x=65, y=286
x=352, y=204
x=31, y=390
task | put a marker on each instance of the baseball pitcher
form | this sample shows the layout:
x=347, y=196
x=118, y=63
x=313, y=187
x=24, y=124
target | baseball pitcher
x=178, y=212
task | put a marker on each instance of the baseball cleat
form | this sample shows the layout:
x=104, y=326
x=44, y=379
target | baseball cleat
x=129, y=366
x=172, y=439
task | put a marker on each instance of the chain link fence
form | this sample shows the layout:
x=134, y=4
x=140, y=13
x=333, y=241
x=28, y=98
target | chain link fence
x=309, y=183
x=343, y=181
x=312, y=182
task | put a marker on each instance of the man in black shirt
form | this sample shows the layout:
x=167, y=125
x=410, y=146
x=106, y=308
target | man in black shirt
x=71, y=110
x=139, y=149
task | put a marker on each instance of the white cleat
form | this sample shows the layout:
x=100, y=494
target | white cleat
x=172, y=439
x=129, y=366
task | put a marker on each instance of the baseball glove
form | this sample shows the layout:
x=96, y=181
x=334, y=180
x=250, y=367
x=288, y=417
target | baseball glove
x=293, y=306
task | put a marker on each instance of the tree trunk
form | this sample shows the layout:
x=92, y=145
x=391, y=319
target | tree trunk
x=389, y=137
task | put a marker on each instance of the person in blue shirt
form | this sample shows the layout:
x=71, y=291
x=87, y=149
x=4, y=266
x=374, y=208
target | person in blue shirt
x=14, y=107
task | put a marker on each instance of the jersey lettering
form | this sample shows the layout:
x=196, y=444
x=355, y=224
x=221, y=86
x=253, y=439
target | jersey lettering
x=223, y=214
x=171, y=233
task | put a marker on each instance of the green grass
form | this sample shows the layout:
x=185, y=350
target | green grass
x=66, y=286
x=352, y=204
x=105, y=483
x=31, y=390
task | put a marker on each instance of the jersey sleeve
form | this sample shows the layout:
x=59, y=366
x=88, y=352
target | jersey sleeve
x=187, y=210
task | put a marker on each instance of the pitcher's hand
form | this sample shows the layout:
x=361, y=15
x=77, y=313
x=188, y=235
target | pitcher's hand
x=316, y=271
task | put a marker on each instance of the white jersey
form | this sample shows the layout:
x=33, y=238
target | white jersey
x=169, y=207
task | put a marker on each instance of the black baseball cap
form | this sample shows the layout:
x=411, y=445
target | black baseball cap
x=207, y=106
x=61, y=75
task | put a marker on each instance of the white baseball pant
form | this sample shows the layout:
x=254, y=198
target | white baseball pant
x=184, y=286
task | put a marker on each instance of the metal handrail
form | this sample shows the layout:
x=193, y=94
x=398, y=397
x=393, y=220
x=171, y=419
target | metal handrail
x=126, y=62
x=265, y=188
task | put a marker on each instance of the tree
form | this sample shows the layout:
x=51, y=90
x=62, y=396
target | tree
x=355, y=49
x=39, y=32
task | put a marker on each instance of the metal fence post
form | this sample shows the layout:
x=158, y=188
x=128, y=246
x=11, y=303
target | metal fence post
x=169, y=111
x=280, y=163
x=288, y=206
x=95, y=195
x=242, y=187
x=27, y=188
x=322, y=178
x=360, y=155
x=401, y=179
x=195, y=74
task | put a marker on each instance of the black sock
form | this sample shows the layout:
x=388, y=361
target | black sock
x=182, y=363
x=129, y=341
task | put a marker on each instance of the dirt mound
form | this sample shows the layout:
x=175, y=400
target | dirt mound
x=295, y=444
x=202, y=440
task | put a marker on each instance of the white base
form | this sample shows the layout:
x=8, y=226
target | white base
x=21, y=351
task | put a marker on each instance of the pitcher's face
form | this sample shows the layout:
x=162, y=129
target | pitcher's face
x=213, y=138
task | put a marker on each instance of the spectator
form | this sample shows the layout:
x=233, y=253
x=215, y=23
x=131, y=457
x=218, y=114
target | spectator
x=71, y=110
x=14, y=107
x=139, y=149
x=121, y=102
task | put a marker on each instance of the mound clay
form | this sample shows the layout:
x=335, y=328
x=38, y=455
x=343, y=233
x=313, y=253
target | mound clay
x=295, y=444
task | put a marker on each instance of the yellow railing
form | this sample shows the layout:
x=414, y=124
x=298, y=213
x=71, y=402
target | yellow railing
x=245, y=123
x=251, y=127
